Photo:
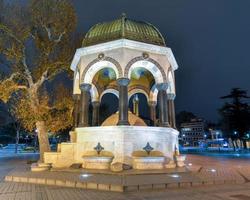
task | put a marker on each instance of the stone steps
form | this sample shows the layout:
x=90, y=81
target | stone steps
x=39, y=167
x=118, y=183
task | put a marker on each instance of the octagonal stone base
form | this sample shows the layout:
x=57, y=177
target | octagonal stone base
x=121, y=141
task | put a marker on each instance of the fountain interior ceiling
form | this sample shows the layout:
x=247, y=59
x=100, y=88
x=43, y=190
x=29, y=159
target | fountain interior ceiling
x=104, y=79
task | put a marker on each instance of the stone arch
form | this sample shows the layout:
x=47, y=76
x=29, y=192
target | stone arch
x=94, y=93
x=137, y=90
x=76, y=89
x=153, y=93
x=148, y=63
x=171, y=88
x=110, y=90
x=97, y=64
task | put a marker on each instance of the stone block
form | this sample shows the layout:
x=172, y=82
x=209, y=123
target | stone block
x=92, y=185
x=32, y=180
x=146, y=187
x=103, y=187
x=218, y=182
x=131, y=188
x=208, y=182
x=8, y=178
x=16, y=179
x=229, y=181
x=41, y=180
x=70, y=184
x=195, y=184
x=24, y=179
x=50, y=181
x=60, y=183
x=159, y=186
x=116, y=188
x=173, y=185
x=185, y=184
x=81, y=185
x=240, y=181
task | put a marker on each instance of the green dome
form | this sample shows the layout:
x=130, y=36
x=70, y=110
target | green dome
x=123, y=28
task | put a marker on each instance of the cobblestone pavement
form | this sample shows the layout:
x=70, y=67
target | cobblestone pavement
x=18, y=191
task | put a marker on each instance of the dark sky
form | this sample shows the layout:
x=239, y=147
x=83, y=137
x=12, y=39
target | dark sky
x=209, y=38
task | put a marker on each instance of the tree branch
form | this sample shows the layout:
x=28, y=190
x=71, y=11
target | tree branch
x=48, y=30
x=9, y=33
x=43, y=78
x=26, y=69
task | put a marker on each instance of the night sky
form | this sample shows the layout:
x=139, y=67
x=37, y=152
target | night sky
x=209, y=38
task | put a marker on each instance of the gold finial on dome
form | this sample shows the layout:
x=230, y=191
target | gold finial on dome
x=124, y=15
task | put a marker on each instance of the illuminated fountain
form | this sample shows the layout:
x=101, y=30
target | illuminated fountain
x=123, y=57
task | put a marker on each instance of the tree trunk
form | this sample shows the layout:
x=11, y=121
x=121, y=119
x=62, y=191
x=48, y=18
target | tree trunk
x=17, y=141
x=43, y=139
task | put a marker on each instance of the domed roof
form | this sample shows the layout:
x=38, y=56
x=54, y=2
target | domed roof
x=133, y=120
x=123, y=28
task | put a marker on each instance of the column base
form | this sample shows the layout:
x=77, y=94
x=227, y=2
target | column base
x=121, y=123
x=82, y=125
x=165, y=124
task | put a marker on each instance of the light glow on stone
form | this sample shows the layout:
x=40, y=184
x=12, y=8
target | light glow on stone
x=85, y=175
x=174, y=175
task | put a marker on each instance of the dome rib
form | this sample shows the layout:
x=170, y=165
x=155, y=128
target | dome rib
x=123, y=28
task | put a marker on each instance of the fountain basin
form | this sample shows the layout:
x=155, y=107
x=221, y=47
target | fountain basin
x=148, y=163
x=97, y=162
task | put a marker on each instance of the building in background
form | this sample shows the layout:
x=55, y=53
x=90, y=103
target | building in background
x=192, y=132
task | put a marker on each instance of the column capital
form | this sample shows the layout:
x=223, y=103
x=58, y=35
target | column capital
x=171, y=96
x=162, y=86
x=95, y=103
x=152, y=103
x=123, y=81
x=76, y=96
x=85, y=87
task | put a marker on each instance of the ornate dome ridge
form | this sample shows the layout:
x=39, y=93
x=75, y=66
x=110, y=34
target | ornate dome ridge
x=123, y=28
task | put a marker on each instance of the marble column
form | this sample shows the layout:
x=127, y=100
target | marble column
x=123, y=101
x=152, y=111
x=171, y=110
x=95, y=116
x=84, y=105
x=163, y=109
x=76, y=111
